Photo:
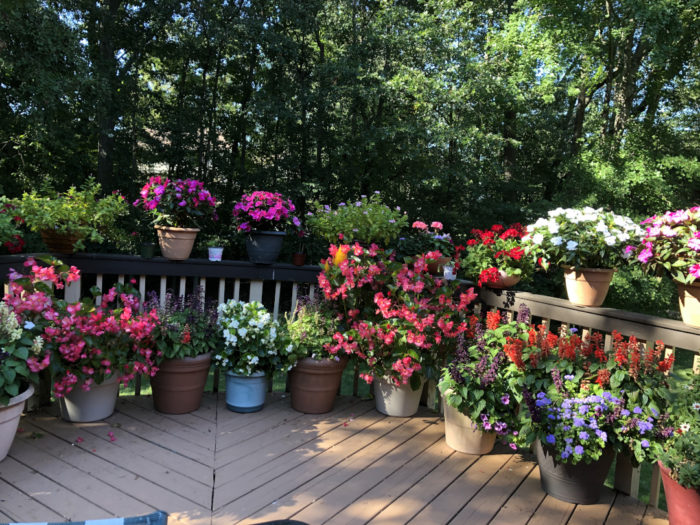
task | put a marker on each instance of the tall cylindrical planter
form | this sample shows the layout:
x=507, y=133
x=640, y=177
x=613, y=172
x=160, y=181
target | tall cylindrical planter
x=176, y=243
x=689, y=302
x=313, y=384
x=83, y=406
x=683, y=503
x=245, y=393
x=9, y=420
x=179, y=384
x=587, y=286
x=462, y=435
x=580, y=483
x=264, y=247
x=397, y=401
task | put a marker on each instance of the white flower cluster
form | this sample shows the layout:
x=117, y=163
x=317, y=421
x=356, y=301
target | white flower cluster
x=10, y=331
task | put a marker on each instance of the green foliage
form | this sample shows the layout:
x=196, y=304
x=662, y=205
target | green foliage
x=16, y=346
x=311, y=328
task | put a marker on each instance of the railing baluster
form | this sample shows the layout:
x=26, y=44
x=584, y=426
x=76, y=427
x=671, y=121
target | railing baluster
x=696, y=364
x=142, y=290
x=655, y=485
x=120, y=279
x=183, y=286
x=276, y=307
x=546, y=322
x=312, y=289
x=203, y=286
x=295, y=287
x=163, y=289
x=237, y=289
x=222, y=290
x=256, y=291
x=72, y=291
x=98, y=283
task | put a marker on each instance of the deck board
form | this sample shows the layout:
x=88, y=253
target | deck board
x=214, y=466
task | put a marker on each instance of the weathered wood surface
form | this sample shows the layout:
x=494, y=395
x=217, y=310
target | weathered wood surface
x=216, y=467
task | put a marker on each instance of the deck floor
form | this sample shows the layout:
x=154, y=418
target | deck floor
x=214, y=466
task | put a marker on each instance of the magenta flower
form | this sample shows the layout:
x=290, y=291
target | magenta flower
x=695, y=271
x=645, y=255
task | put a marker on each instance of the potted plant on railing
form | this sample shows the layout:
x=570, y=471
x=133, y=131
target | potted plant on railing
x=215, y=248
x=186, y=336
x=254, y=347
x=316, y=376
x=496, y=257
x=588, y=243
x=671, y=244
x=422, y=239
x=399, y=319
x=477, y=388
x=88, y=347
x=680, y=459
x=66, y=220
x=264, y=217
x=177, y=206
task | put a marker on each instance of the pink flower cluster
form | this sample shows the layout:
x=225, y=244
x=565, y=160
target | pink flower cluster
x=176, y=202
x=263, y=210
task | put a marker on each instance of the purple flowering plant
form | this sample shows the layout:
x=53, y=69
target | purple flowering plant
x=671, y=243
x=265, y=211
x=177, y=203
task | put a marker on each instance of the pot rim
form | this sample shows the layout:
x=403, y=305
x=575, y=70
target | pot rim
x=21, y=397
x=176, y=228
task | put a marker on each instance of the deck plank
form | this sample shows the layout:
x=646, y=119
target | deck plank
x=22, y=507
x=199, y=430
x=552, y=512
x=523, y=502
x=596, y=513
x=626, y=510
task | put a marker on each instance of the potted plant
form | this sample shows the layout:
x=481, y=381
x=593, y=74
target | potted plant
x=680, y=459
x=254, y=346
x=398, y=318
x=299, y=255
x=671, y=243
x=67, y=219
x=496, y=257
x=315, y=378
x=588, y=243
x=185, y=336
x=177, y=206
x=264, y=216
x=424, y=239
x=215, y=248
x=88, y=347
x=366, y=221
x=480, y=404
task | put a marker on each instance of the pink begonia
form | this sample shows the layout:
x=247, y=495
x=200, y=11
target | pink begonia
x=437, y=225
x=419, y=225
x=695, y=271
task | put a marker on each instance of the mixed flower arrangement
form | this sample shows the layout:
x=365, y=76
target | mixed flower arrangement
x=671, y=243
x=253, y=341
x=423, y=239
x=585, y=238
x=265, y=211
x=176, y=203
x=311, y=328
x=495, y=253
x=83, y=343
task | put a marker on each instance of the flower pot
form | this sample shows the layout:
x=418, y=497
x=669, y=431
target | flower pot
x=397, y=401
x=215, y=253
x=683, y=503
x=245, y=393
x=148, y=250
x=435, y=266
x=176, y=243
x=179, y=384
x=264, y=247
x=689, y=302
x=504, y=281
x=9, y=420
x=59, y=242
x=314, y=384
x=83, y=406
x=298, y=259
x=587, y=286
x=462, y=435
x=580, y=483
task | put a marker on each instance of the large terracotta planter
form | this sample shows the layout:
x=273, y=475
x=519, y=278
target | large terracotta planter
x=176, y=243
x=314, y=384
x=580, y=483
x=504, y=281
x=462, y=436
x=683, y=503
x=264, y=247
x=83, y=406
x=689, y=302
x=179, y=384
x=587, y=286
x=397, y=401
x=9, y=420
x=59, y=242
x=245, y=393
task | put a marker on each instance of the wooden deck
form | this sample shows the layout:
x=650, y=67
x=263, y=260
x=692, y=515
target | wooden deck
x=214, y=466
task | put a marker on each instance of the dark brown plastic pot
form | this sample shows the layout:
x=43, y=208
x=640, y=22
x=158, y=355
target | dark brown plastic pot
x=179, y=384
x=298, y=259
x=314, y=384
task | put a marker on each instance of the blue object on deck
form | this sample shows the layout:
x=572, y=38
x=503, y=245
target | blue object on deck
x=155, y=518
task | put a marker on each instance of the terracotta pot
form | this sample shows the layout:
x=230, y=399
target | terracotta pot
x=83, y=406
x=59, y=242
x=504, y=281
x=397, y=401
x=689, y=302
x=298, y=259
x=245, y=393
x=176, y=243
x=9, y=420
x=683, y=503
x=587, y=286
x=461, y=434
x=580, y=483
x=435, y=266
x=314, y=384
x=264, y=247
x=179, y=384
